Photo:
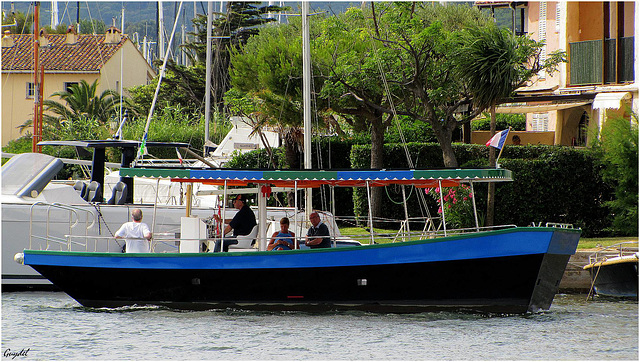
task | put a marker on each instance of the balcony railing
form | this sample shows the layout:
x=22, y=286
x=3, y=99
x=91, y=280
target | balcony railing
x=586, y=60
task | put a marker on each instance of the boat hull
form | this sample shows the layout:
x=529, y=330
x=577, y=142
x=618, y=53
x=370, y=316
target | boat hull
x=616, y=280
x=510, y=271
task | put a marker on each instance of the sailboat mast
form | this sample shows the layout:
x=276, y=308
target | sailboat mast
x=161, y=29
x=121, y=65
x=306, y=96
x=36, y=86
x=54, y=14
x=207, y=90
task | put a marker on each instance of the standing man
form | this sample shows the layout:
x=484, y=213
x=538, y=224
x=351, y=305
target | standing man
x=318, y=234
x=242, y=223
x=136, y=233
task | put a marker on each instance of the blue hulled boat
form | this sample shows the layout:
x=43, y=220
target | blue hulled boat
x=504, y=270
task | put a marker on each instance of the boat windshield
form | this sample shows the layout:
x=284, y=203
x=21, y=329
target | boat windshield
x=28, y=172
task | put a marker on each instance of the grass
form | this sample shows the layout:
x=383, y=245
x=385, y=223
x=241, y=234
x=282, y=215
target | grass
x=585, y=243
x=593, y=243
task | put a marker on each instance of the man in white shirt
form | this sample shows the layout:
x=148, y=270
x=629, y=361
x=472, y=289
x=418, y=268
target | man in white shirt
x=136, y=233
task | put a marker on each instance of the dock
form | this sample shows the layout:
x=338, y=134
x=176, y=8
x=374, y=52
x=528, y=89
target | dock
x=575, y=278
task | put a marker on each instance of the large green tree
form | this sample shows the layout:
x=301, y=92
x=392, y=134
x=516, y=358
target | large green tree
x=406, y=65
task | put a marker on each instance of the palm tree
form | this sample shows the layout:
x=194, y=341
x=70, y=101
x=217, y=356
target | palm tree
x=81, y=103
x=80, y=100
x=493, y=63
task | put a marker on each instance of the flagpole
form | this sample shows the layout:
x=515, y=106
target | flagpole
x=505, y=141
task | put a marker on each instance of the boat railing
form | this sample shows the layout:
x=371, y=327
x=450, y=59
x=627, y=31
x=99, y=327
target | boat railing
x=553, y=225
x=414, y=228
x=616, y=250
x=111, y=244
x=172, y=240
x=74, y=215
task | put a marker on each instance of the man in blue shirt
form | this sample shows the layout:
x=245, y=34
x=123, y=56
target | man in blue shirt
x=318, y=234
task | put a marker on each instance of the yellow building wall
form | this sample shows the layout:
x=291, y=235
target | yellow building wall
x=526, y=138
x=136, y=71
x=629, y=23
x=591, y=20
x=17, y=108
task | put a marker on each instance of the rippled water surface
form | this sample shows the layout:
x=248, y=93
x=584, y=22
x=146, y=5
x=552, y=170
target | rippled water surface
x=52, y=326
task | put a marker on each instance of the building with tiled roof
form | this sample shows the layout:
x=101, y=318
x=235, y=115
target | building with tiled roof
x=67, y=59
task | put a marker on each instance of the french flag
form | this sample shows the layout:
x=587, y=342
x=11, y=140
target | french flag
x=498, y=139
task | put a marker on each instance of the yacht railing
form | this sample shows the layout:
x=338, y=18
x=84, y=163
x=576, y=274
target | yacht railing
x=617, y=250
x=73, y=222
x=110, y=244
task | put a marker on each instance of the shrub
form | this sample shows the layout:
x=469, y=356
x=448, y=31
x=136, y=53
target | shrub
x=503, y=121
x=551, y=184
x=458, y=205
x=618, y=149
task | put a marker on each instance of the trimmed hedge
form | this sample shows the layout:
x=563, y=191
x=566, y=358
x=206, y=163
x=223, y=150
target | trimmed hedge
x=551, y=184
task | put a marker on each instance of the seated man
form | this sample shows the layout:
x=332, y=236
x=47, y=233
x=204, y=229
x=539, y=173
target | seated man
x=318, y=234
x=242, y=223
x=283, y=239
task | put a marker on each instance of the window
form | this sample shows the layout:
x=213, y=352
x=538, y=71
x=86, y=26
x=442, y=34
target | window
x=540, y=122
x=67, y=86
x=31, y=90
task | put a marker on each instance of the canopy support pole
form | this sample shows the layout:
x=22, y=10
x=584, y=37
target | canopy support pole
x=155, y=208
x=189, y=198
x=475, y=211
x=406, y=213
x=444, y=221
x=224, y=213
x=295, y=213
x=333, y=212
x=262, y=219
x=370, y=212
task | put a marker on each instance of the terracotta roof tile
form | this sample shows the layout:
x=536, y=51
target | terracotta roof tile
x=88, y=54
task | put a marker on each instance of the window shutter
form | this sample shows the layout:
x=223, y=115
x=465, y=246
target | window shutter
x=542, y=34
x=558, y=17
x=540, y=122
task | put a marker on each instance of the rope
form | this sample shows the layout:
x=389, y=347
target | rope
x=593, y=282
x=101, y=217
x=403, y=201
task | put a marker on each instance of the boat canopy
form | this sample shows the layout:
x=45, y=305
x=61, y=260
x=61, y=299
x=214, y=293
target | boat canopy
x=316, y=178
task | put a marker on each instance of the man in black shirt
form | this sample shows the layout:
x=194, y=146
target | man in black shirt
x=242, y=223
x=318, y=234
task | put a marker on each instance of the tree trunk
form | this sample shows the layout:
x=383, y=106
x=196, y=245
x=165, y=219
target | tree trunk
x=491, y=191
x=377, y=156
x=444, y=137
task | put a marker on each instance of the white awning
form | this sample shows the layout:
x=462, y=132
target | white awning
x=538, y=108
x=610, y=100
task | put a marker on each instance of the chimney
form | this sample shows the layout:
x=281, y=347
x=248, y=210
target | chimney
x=72, y=35
x=113, y=35
x=7, y=39
x=42, y=38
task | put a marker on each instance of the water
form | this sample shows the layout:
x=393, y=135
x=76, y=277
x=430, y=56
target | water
x=53, y=326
